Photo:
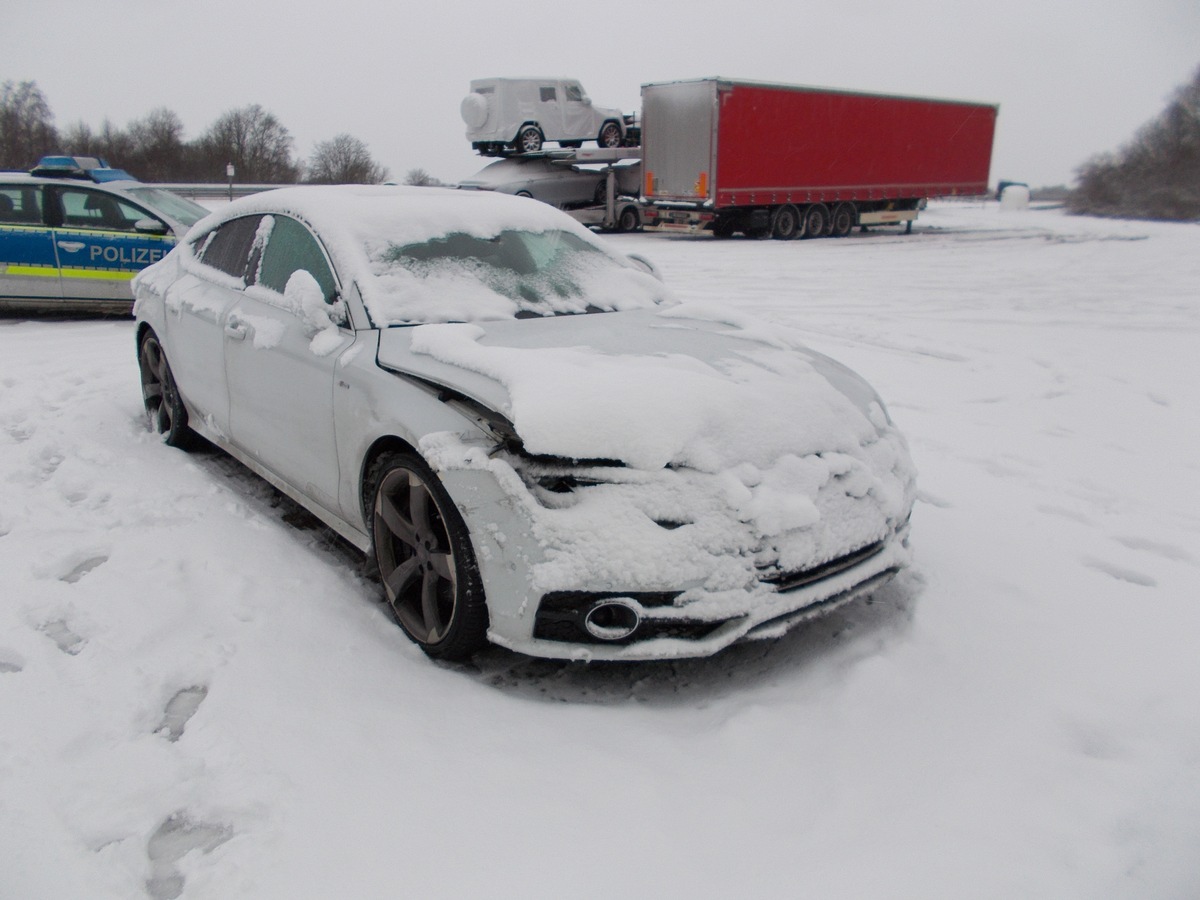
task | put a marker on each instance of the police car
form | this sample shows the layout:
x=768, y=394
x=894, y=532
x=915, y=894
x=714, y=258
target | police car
x=73, y=232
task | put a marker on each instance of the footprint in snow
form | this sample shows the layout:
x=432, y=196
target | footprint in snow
x=176, y=837
x=18, y=431
x=81, y=569
x=48, y=462
x=179, y=711
x=1120, y=572
x=62, y=635
x=1166, y=551
x=1065, y=513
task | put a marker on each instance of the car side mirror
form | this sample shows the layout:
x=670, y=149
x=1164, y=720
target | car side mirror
x=645, y=265
x=338, y=314
x=150, y=226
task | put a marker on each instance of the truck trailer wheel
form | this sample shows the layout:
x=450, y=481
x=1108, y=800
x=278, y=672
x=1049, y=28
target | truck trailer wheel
x=816, y=220
x=843, y=219
x=786, y=223
x=723, y=228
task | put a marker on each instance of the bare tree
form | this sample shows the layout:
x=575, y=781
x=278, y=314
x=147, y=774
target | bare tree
x=421, y=178
x=157, y=150
x=78, y=139
x=344, y=159
x=27, y=129
x=251, y=138
x=1156, y=175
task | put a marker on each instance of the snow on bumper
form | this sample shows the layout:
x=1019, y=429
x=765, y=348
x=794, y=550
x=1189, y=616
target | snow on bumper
x=595, y=561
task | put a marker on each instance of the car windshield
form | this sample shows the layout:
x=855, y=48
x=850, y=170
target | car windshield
x=178, y=208
x=460, y=277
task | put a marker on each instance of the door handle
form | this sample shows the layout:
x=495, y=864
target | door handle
x=71, y=246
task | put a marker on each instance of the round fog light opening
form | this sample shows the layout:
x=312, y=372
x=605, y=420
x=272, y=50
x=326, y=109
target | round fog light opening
x=612, y=620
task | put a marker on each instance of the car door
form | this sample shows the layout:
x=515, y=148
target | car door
x=281, y=381
x=28, y=264
x=197, y=306
x=98, y=244
x=578, y=117
x=549, y=113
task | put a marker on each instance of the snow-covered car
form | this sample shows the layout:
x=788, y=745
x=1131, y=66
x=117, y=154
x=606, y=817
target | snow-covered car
x=560, y=183
x=520, y=114
x=537, y=443
x=73, y=234
x=542, y=178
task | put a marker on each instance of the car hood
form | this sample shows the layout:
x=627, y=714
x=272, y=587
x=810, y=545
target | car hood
x=686, y=386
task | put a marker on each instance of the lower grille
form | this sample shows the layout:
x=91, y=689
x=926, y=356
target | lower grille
x=790, y=581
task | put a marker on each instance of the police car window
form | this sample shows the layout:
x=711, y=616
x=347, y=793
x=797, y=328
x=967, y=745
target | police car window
x=82, y=208
x=292, y=247
x=20, y=204
x=228, y=248
x=574, y=92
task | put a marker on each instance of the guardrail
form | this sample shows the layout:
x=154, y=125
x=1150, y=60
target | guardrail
x=210, y=190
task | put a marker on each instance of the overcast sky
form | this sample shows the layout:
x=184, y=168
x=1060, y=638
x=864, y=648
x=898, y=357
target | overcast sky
x=1072, y=77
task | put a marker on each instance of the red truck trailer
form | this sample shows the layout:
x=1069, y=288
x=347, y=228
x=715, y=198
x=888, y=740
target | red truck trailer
x=788, y=161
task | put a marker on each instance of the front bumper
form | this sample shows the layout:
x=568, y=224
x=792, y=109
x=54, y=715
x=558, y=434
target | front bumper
x=659, y=628
x=618, y=564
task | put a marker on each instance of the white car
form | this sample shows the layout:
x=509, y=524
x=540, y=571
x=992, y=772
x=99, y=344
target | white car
x=566, y=186
x=520, y=114
x=537, y=443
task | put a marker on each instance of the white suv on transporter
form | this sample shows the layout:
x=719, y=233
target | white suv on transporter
x=518, y=115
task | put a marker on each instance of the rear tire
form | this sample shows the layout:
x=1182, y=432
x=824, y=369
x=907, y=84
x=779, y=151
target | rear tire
x=628, y=219
x=165, y=411
x=843, y=220
x=425, y=558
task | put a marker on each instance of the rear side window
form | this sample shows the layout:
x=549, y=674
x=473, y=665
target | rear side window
x=20, y=204
x=548, y=94
x=228, y=248
x=292, y=247
x=83, y=208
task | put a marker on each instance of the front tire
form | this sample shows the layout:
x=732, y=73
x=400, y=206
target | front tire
x=164, y=407
x=610, y=135
x=426, y=562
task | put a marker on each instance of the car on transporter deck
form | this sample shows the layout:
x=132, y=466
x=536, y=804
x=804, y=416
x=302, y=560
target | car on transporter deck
x=539, y=445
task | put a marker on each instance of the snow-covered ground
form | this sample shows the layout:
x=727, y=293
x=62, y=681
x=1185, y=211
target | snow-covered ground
x=201, y=696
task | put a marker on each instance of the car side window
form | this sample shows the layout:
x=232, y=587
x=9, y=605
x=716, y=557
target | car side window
x=228, y=248
x=548, y=94
x=83, y=208
x=290, y=248
x=20, y=204
x=574, y=92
